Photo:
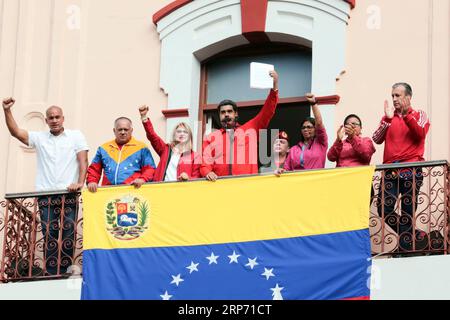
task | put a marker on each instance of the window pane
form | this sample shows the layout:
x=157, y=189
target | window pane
x=229, y=77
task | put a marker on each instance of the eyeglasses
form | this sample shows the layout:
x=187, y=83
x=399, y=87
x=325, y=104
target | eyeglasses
x=307, y=127
x=354, y=123
x=181, y=131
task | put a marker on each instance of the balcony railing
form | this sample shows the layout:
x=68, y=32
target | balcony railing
x=41, y=233
x=40, y=236
x=410, y=209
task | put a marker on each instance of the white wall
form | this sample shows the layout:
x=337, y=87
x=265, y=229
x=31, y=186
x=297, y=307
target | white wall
x=418, y=278
x=69, y=289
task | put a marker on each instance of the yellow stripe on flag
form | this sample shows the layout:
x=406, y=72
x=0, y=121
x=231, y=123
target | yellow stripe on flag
x=238, y=210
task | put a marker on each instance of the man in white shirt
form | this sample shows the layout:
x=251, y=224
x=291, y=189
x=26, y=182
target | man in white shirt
x=62, y=165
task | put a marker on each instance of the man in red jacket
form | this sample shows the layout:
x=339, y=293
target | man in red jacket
x=233, y=150
x=403, y=131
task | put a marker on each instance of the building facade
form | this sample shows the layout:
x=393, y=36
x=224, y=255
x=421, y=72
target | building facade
x=100, y=59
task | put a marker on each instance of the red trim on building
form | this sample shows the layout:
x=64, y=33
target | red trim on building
x=325, y=100
x=253, y=17
x=328, y=100
x=352, y=3
x=180, y=3
x=175, y=113
x=254, y=14
x=169, y=9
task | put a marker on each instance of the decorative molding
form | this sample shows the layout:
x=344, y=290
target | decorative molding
x=169, y=9
x=176, y=113
x=164, y=12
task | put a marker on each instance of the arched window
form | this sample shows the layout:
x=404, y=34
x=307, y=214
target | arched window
x=227, y=76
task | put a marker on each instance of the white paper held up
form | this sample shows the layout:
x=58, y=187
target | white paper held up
x=259, y=75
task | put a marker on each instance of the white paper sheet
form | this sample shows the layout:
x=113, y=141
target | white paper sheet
x=259, y=75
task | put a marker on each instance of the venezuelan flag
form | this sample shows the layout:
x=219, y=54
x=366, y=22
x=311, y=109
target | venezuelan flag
x=302, y=236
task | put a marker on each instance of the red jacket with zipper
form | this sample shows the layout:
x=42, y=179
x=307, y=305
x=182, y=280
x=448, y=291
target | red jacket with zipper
x=243, y=141
x=189, y=161
x=403, y=136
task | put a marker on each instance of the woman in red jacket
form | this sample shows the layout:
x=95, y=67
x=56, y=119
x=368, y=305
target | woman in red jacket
x=177, y=160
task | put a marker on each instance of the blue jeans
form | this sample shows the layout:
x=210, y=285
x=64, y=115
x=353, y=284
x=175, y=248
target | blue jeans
x=50, y=208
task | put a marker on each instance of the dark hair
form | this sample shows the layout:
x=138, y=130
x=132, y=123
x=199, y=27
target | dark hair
x=307, y=119
x=408, y=89
x=122, y=118
x=353, y=116
x=227, y=103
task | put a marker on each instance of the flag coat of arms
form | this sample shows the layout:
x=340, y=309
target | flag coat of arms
x=302, y=236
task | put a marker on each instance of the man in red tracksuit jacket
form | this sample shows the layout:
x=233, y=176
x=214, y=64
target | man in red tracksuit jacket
x=403, y=131
x=233, y=150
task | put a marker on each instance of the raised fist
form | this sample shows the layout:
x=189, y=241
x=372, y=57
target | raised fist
x=8, y=103
x=143, y=110
x=311, y=98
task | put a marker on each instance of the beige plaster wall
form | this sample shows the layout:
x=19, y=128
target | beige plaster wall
x=391, y=41
x=100, y=60
x=97, y=59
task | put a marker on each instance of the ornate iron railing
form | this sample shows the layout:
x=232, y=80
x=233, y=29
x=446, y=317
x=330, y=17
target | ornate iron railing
x=409, y=215
x=410, y=209
x=40, y=236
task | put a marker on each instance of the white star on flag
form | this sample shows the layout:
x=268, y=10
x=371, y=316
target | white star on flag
x=268, y=273
x=212, y=259
x=252, y=263
x=177, y=279
x=193, y=267
x=277, y=292
x=166, y=296
x=234, y=257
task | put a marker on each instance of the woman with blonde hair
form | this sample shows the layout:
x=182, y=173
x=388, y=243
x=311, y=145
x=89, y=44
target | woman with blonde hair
x=178, y=162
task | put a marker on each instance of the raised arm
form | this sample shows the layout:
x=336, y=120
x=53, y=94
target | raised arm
x=315, y=109
x=380, y=134
x=262, y=119
x=16, y=132
x=157, y=143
